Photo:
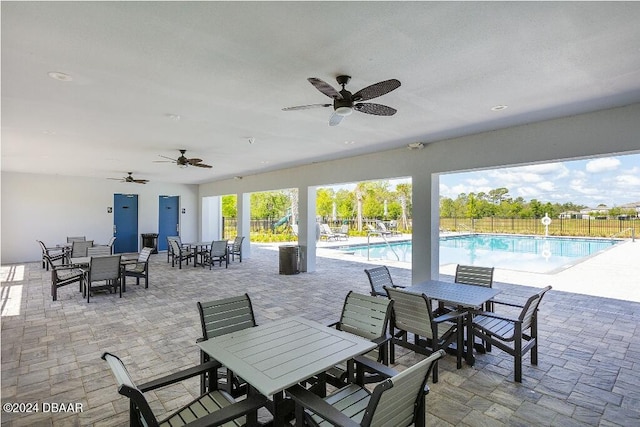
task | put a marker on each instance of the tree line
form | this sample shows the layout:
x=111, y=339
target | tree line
x=378, y=200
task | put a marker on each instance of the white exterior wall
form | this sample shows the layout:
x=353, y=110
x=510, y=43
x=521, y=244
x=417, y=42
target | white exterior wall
x=52, y=207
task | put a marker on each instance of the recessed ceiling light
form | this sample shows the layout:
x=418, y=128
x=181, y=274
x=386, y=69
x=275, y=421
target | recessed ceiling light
x=251, y=140
x=264, y=162
x=349, y=142
x=56, y=75
x=499, y=108
x=174, y=117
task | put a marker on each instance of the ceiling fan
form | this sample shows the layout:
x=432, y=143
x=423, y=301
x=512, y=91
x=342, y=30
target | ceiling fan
x=184, y=162
x=344, y=102
x=130, y=178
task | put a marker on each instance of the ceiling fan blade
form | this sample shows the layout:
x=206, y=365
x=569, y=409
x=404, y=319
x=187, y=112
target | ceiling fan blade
x=193, y=161
x=376, y=90
x=375, y=109
x=306, y=107
x=140, y=181
x=325, y=88
x=335, y=119
x=164, y=161
x=201, y=165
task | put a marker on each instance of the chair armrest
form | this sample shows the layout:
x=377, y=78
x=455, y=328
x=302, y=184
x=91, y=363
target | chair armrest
x=179, y=376
x=64, y=267
x=399, y=286
x=318, y=406
x=449, y=316
x=374, y=366
x=381, y=340
x=494, y=315
x=333, y=325
x=510, y=304
x=231, y=412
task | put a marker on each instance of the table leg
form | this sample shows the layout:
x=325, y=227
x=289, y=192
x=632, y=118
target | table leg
x=471, y=360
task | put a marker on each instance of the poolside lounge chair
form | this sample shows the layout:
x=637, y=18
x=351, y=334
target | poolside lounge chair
x=384, y=230
x=326, y=233
x=343, y=233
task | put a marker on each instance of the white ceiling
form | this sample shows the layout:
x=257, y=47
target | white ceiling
x=228, y=68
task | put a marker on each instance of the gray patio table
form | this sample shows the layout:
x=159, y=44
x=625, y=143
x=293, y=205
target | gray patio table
x=459, y=294
x=274, y=356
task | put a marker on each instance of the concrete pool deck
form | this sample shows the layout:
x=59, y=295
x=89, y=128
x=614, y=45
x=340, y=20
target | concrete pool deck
x=611, y=273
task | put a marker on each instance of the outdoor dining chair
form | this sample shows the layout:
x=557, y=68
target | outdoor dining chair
x=71, y=239
x=218, y=252
x=79, y=248
x=213, y=408
x=180, y=253
x=368, y=317
x=139, y=269
x=54, y=254
x=218, y=318
x=412, y=313
x=476, y=276
x=62, y=275
x=398, y=401
x=98, y=250
x=236, y=248
x=104, y=269
x=379, y=277
x=515, y=335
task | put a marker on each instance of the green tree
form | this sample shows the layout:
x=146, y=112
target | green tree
x=230, y=206
x=272, y=204
x=325, y=198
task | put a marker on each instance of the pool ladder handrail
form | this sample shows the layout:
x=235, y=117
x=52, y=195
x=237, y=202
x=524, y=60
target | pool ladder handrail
x=379, y=233
x=633, y=233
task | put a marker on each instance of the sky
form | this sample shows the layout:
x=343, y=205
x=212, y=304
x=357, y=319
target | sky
x=612, y=181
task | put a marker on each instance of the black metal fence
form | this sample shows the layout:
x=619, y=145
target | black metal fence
x=557, y=227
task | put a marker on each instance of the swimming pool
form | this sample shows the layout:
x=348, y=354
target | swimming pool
x=524, y=253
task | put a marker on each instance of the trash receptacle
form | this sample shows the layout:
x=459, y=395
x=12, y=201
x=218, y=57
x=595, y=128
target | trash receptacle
x=150, y=240
x=289, y=259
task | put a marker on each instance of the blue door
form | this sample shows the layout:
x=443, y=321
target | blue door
x=125, y=223
x=168, y=220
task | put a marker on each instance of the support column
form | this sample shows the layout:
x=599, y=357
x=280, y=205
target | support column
x=425, y=257
x=244, y=222
x=307, y=235
x=211, y=219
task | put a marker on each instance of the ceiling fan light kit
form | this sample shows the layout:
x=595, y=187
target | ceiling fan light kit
x=344, y=102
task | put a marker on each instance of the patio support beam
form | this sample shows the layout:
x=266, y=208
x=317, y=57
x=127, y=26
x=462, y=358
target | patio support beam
x=425, y=240
x=244, y=222
x=307, y=228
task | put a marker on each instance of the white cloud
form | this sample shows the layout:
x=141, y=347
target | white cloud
x=633, y=180
x=478, y=181
x=602, y=165
x=546, y=186
x=558, y=170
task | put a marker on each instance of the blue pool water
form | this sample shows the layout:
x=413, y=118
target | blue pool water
x=523, y=253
